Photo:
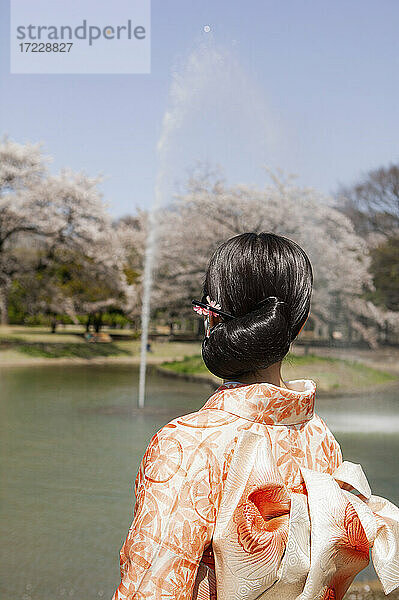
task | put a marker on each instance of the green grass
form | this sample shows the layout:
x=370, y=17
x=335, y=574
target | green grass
x=359, y=371
x=330, y=374
x=190, y=365
x=19, y=344
x=38, y=342
x=70, y=350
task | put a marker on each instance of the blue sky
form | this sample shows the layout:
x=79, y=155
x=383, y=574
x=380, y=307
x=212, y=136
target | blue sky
x=323, y=77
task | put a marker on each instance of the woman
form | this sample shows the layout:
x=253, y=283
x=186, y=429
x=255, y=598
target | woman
x=248, y=497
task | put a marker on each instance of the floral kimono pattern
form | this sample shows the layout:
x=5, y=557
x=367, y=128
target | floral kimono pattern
x=249, y=498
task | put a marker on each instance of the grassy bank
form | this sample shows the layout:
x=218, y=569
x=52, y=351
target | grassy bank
x=37, y=345
x=330, y=374
x=21, y=346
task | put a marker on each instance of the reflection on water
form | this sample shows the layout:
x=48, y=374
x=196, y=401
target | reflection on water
x=71, y=443
x=355, y=423
x=375, y=412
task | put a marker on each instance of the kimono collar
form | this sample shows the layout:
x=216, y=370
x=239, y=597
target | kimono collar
x=266, y=403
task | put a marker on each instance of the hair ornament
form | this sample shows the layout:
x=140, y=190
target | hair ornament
x=210, y=307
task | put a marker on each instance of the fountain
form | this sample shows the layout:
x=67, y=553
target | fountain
x=209, y=75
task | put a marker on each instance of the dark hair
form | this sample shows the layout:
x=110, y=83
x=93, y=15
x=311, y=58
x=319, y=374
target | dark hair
x=265, y=281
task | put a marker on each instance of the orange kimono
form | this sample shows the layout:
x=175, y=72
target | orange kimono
x=248, y=498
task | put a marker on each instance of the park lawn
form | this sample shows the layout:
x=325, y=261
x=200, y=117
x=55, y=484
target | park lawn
x=69, y=333
x=113, y=350
x=28, y=345
x=330, y=374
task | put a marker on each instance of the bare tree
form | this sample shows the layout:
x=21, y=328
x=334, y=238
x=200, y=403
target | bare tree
x=373, y=206
x=373, y=203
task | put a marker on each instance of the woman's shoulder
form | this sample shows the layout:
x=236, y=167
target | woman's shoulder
x=202, y=435
x=197, y=424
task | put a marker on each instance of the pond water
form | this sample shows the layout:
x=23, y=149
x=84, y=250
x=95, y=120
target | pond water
x=70, y=449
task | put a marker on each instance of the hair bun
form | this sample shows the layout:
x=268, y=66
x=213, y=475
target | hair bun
x=264, y=281
x=250, y=342
x=268, y=300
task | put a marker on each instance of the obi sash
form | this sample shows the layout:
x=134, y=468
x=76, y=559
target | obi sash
x=274, y=543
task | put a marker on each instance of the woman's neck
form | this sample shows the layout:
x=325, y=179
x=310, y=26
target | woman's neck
x=270, y=375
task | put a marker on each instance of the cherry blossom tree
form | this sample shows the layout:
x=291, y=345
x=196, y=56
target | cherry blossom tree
x=57, y=237
x=81, y=263
x=209, y=212
x=21, y=167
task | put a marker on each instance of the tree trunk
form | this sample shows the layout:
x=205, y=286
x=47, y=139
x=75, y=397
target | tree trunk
x=4, y=305
x=98, y=321
x=350, y=332
x=53, y=324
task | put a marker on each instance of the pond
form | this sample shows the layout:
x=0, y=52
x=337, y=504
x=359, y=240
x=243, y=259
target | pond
x=70, y=450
